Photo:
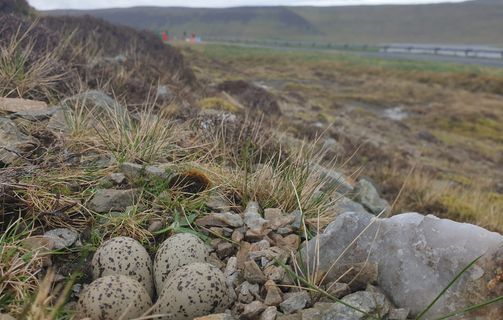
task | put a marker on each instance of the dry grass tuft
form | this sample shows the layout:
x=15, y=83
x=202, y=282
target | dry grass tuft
x=145, y=138
x=25, y=73
x=131, y=223
x=49, y=300
x=454, y=201
x=19, y=267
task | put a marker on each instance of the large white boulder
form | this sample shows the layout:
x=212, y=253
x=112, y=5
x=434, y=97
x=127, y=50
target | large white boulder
x=417, y=257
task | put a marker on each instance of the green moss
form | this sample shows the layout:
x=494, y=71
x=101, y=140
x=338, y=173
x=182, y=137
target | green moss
x=218, y=104
x=481, y=127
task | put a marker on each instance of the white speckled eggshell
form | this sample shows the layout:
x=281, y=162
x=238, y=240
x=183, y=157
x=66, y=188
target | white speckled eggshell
x=124, y=256
x=177, y=251
x=194, y=290
x=111, y=297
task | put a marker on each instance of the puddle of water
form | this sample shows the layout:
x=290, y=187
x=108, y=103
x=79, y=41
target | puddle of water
x=396, y=113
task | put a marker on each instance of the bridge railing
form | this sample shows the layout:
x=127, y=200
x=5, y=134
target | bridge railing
x=468, y=52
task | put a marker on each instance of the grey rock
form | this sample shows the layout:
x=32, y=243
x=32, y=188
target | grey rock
x=154, y=171
x=398, y=314
x=323, y=306
x=269, y=313
x=277, y=219
x=260, y=245
x=37, y=115
x=252, y=217
x=118, y=178
x=216, y=316
x=297, y=221
x=339, y=290
x=155, y=226
x=224, y=249
x=284, y=230
x=252, y=310
x=164, y=92
x=106, y=200
x=295, y=316
x=231, y=272
x=367, y=195
x=219, y=203
x=118, y=59
x=76, y=289
x=12, y=141
x=94, y=103
x=370, y=303
x=311, y=314
x=344, y=204
x=62, y=237
x=230, y=219
x=131, y=170
x=274, y=295
x=16, y=105
x=237, y=236
x=417, y=257
x=274, y=273
x=248, y=292
x=333, y=180
x=296, y=301
x=134, y=171
x=253, y=274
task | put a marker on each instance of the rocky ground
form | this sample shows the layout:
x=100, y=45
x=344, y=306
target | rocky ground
x=157, y=242
x=194, y=205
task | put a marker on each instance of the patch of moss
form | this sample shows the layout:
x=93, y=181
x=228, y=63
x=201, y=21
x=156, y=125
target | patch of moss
x=480, y=127
x=218, y=104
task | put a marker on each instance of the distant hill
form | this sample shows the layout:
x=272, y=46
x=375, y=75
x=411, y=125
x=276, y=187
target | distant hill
x=472, y=22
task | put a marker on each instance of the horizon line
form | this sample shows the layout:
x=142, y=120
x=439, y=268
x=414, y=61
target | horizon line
x=433, y=2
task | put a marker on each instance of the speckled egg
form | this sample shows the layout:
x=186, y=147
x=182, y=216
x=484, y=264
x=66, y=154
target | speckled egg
x=113, y=297
x=124, y=256
x=194, y=290
x=177, y=251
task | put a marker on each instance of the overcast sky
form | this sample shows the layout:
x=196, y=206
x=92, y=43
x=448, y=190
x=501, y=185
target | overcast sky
x=87, y=4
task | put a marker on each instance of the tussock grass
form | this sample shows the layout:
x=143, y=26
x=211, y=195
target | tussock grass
x=19, y=267
x=144, y=139
x=25, y=73
x=450, y=200
x=248, y=160
x=131, y=223
x=278, y=183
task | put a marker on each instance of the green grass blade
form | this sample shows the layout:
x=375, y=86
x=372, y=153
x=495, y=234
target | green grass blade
x=453, y=281
x=471, y=308
x=321, y=291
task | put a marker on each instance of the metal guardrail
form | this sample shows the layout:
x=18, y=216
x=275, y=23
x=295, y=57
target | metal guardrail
x=293, y=44
x=446, y=51
x=467, y=52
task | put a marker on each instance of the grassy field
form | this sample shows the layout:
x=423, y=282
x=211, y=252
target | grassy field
x=450, y=132
x=134, y=148
x=473, y=22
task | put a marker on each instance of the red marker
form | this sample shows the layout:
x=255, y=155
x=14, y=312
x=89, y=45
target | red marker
x=165, y=37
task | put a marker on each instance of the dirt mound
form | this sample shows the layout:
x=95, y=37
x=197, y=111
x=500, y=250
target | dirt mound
x=15, y=6
x=251, y=96
x=99, y=55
